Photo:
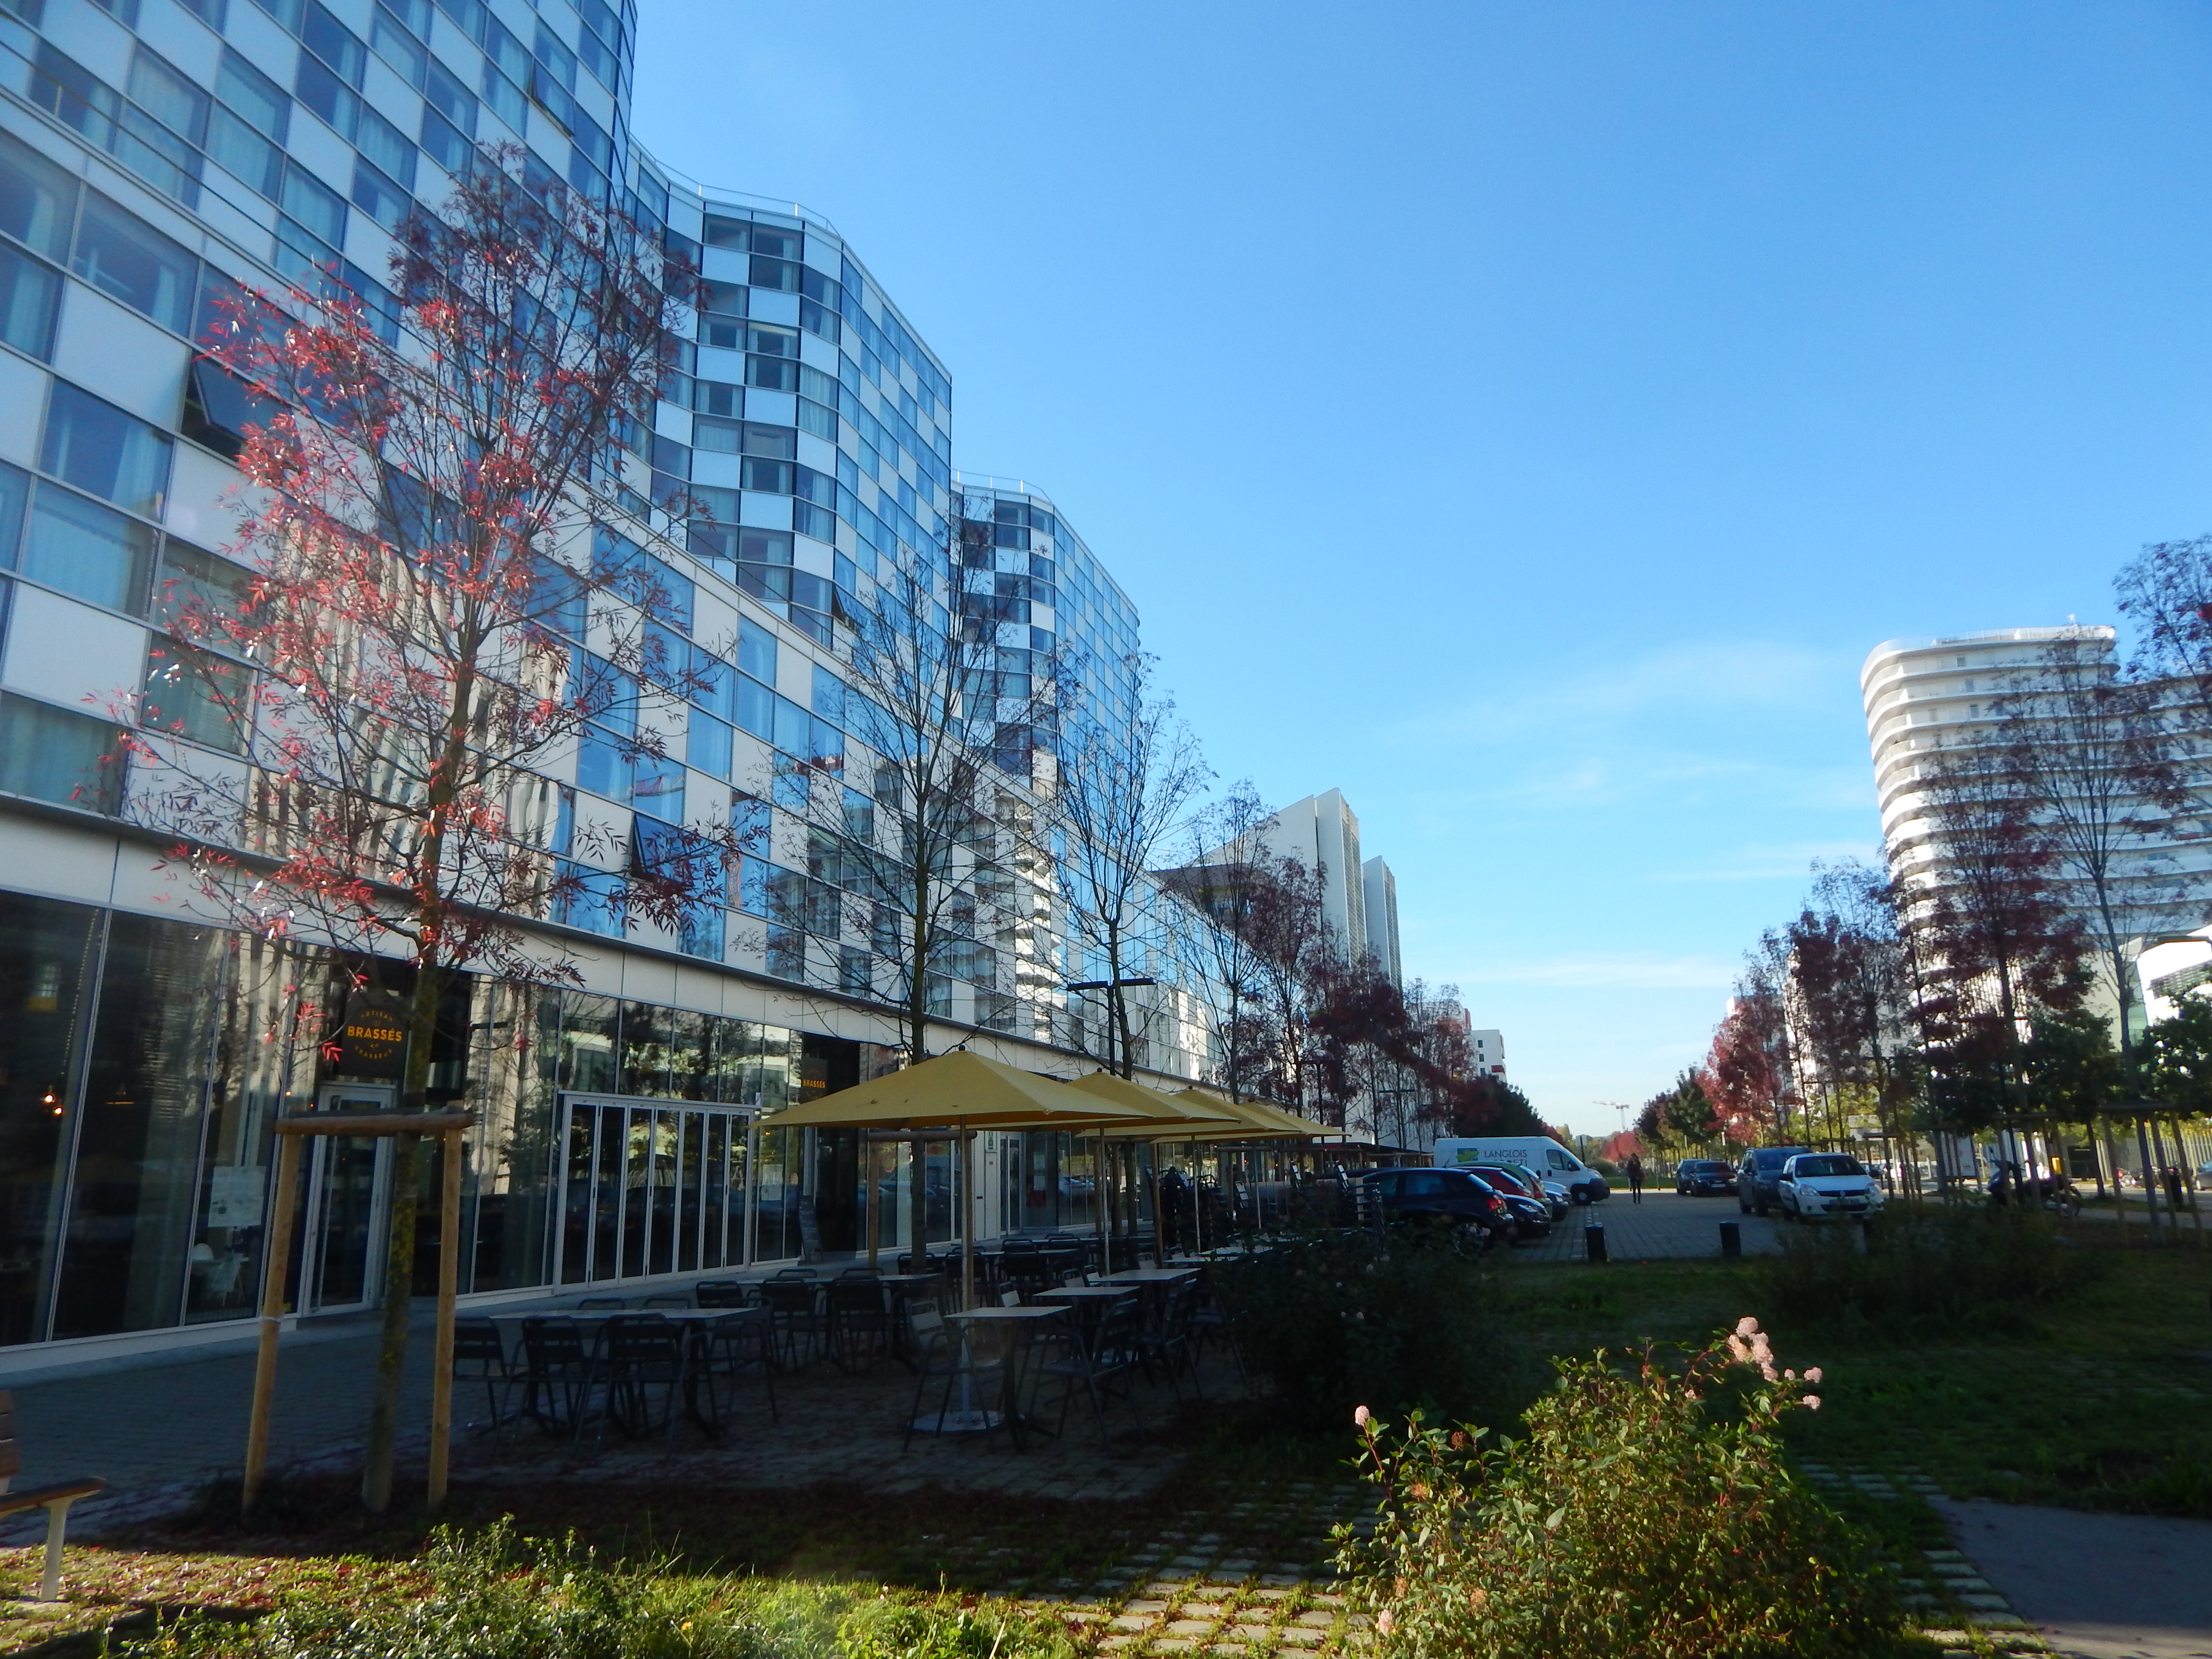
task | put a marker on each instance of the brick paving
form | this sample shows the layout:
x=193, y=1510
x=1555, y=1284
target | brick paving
x=1663, y=1227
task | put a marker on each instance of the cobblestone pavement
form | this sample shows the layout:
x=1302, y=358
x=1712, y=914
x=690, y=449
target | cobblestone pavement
x=1662, y=1226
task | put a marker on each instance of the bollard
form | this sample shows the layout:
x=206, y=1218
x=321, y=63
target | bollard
x=1594, y=1241
x=1731, y=1238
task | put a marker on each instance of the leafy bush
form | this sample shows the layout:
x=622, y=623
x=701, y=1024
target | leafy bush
x=498, y=1595
x=1944, y=1262
x=1646, y=1515
x=1342, y=1319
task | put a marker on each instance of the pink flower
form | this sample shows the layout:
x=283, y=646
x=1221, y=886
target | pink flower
x=1812, y=1403
x=1812, y=1373
x=1360, y=1415
x=1792, y=1375
x=1745, y=1326
x=1767, y=1371
x=1384, y=1622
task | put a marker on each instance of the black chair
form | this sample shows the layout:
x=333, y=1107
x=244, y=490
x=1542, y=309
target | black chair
x=795, y=1305
x=480, y=1355
x=724, y=1293
x=944, y=1357
x=642, y=1352
x=603, y=1304
x=1165, y=1338
x=558, y=1374
x=858, y=1320
x=727, y=1351
x=670, y=1299
x=1101, y=1363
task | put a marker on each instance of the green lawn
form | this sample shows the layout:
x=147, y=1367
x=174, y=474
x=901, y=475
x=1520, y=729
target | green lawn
x=2101, y=1400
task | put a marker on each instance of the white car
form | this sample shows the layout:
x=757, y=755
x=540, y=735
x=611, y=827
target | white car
x=1826, y=1187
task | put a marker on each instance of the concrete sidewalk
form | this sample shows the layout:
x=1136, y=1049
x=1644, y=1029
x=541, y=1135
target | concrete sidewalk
x=2098, y=1586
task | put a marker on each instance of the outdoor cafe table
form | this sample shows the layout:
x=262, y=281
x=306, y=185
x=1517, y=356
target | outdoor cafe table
x=1146, y=1275
x=1024, y=1320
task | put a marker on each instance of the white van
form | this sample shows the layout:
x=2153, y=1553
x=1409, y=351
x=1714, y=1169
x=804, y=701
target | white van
x=1539, y=1155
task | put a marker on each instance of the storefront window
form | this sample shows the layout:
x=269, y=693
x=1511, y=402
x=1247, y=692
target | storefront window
x=262, y=1057
x=134, y=1184
x=45, y=967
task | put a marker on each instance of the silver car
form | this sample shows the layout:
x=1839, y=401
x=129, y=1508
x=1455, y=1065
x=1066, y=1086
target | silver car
x=1826, y=1187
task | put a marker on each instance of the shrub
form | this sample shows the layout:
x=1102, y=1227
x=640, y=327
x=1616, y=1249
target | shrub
x=1922, y=1262
x=1646, y=1515
x=496, y=1595
x=1343, y=1319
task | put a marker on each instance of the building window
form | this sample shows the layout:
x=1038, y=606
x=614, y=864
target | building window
x=53, y=755
x=29, y=292
x=101, y=450
x=82, y=547
x=132, y=261
x=195, y=695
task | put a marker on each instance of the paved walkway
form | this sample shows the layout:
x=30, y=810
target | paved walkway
x=2098, y=1586
x=1662, y=1226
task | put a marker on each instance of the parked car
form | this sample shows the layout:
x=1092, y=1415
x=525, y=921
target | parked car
x=1454, y=1195
x=1694, y=1177
x=1755, y=1176
x=1826, y=1186
x=1512, y=1179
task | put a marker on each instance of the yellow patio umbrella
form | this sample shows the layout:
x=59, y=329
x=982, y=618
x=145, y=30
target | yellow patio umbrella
x=958, y=1090
x=1257, y=1121
x=1270, y=1120
x=1167, y=1117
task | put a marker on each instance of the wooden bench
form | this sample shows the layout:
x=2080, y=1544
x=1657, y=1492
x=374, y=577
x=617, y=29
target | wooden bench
x=55, y=1499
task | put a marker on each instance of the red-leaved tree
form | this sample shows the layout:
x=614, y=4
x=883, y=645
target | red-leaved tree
x=403, y=668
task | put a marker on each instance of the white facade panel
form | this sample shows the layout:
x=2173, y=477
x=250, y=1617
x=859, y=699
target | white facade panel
x=201, y=506
x=71, y=656
x=723, y=264
x=765, y=512
x=770, y=304
x=181, y=37
x=93, y=38
x=55, y=861
x=22, y=408
x=778, y=408
x=711, y=466
x=118, y=355
x=727, y=367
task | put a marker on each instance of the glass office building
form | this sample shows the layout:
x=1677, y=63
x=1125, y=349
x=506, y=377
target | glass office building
x=154, y=155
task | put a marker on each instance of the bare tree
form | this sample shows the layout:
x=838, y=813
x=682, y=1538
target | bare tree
x=946, y=732
x=355, y=738
x=2094, y=761
x=1123, y=793
x=1217, y=879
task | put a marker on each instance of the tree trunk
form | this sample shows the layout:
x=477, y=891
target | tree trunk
x=399, y=1253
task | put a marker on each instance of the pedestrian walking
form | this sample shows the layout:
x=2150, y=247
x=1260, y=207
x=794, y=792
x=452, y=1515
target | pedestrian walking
x=1635, y=1178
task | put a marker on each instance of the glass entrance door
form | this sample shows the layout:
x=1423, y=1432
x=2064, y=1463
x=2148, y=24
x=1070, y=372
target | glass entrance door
x=348, y=1191
x=650, y=1187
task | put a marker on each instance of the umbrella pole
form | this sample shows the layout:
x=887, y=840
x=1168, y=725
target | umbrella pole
x=1098, y=1203
x=875, y=1219
x=968, y=1217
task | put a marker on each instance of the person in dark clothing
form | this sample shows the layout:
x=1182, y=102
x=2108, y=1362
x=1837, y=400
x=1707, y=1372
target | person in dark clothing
x=1635, y=1178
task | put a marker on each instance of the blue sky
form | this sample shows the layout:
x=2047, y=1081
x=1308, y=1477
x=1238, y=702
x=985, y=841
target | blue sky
x=1527, y=417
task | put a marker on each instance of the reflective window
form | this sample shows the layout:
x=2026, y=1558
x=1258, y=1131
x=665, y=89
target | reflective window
x=130, y=261
x=132, y=1205
x=46, y=952
x=55, y=755
x=30, y=291
x=195, y=695
x=82, y=547
x=98, y=448
x=38, y=200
